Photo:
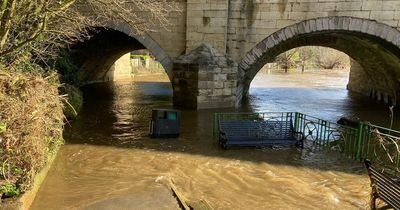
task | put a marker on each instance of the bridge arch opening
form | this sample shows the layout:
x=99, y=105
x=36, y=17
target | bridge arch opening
x=105, y=104
x=374, y=46
x=95, y=56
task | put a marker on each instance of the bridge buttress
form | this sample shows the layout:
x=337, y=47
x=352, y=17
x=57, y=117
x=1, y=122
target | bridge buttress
x=204, y=79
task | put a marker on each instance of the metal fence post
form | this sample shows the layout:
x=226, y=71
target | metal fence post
x=215, y=128
x=360, y=139
x=296, y=122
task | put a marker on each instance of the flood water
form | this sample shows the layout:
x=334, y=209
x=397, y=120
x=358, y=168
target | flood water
x=109, y=160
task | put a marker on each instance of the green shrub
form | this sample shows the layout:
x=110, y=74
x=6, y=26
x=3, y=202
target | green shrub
x=67, y=69
x=9, y=190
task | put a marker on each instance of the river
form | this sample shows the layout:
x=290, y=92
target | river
x=109, y=160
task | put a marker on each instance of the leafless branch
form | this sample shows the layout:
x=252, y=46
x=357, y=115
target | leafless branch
x=31, y=25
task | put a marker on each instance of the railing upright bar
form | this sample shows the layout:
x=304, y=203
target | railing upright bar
x=366, y=139
x=353, y=146
x=319, y=133
x=323, y=135
x=360, y=140
x=398, y=162
x=327, y=132
x=319, y=137
x=346, y=145
x=322, y=132
x=369, y=143
x=362, y=145
x=215, y=124
x=303, y=124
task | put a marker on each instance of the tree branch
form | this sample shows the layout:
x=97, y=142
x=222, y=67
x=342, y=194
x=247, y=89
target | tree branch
x=31, y=38
x=5, y=23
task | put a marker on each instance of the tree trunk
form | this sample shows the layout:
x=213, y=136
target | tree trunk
x=5, y=22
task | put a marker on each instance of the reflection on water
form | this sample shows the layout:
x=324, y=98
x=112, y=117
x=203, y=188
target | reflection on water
x=321, y=94
x=109, y=156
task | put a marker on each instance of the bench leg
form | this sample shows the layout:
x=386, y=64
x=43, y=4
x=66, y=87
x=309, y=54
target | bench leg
x=373, y=201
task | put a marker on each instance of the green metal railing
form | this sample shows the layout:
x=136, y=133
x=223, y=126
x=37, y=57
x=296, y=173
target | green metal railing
x=324, y=134
x=367, y=141
x=380, y=145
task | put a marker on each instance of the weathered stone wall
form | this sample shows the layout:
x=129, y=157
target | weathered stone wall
x=375, y=46
x=172, y=39
x=164, y=42
x=236, y=26
x=121, y=69
x=251, y=21
x=359, y=81
x=204, y=78
x=239, y=28
x=207, y=22
x=185, y=84
x=217, y=80
x=362, y=83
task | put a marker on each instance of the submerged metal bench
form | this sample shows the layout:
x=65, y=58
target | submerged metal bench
x=383, y=187
x=258, y=134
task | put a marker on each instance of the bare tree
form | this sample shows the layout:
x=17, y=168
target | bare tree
x=287, y=59
x=305, y=54
x=328, y=58
x=40, y=26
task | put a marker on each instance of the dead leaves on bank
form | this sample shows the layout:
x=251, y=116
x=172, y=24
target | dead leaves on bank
x=31, y=122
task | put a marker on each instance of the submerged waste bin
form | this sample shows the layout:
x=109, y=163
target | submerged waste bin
x=165, y=123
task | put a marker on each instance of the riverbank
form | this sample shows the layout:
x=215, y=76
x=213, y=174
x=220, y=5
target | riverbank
x=145, y=77
x=311, y=78
x=31, y=125
x=26, y=199
x=157, y=77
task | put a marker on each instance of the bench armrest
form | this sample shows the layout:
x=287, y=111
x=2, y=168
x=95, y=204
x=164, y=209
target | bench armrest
x=367, y=163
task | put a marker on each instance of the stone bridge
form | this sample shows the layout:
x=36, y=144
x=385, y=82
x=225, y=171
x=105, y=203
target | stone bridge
x=214, y=48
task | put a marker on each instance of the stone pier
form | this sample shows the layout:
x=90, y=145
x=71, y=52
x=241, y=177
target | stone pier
x=204, y=78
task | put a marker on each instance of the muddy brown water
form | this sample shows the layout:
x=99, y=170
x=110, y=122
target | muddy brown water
x=110, y=162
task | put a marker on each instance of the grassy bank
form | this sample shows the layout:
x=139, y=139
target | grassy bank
x=31, y=125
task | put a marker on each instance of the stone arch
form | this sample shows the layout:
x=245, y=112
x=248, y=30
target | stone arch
x=146, y=41
x=115, y=39
x=374, y=45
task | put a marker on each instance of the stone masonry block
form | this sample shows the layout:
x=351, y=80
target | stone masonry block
x=220, y=77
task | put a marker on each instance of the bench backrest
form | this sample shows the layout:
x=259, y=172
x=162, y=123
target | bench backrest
x=240, y=128
x=277, y=129
x=385, y=187
x=261, y=129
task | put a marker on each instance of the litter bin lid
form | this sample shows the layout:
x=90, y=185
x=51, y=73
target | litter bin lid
x=166, y=110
